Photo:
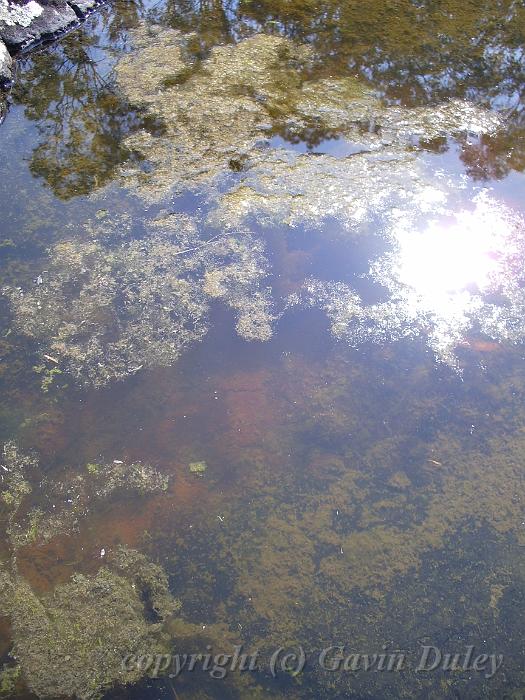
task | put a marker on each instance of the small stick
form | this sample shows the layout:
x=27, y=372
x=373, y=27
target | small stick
x=170, y=683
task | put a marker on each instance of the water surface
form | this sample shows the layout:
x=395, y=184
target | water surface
x=262, y=322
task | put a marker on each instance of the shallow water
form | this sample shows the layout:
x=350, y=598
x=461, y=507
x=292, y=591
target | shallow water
x=274, y=251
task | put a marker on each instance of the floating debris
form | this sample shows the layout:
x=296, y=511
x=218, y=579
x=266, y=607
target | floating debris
x=198, y=467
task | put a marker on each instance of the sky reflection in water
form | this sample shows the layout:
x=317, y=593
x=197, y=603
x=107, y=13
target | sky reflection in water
x=358, y=488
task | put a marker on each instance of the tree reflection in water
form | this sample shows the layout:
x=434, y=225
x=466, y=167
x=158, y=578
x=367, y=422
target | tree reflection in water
x=410, y=53
x=79, y=116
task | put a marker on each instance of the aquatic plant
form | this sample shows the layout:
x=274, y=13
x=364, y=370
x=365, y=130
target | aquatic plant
x=220, y=116
x=71, y=642
x=109, y=306
x=69, y=499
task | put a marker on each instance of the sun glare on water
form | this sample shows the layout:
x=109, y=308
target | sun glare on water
x=445, y=261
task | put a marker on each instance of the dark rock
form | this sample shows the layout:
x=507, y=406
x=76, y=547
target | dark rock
x=84, y=7
x=6, y=67
x=23, y=25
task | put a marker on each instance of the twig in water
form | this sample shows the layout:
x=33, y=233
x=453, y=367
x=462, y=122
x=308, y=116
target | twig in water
x=172, y=687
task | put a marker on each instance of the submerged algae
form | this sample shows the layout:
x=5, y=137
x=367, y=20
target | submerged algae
x=9, y=679
x=457, y=488
x=198, y=467
x=72, y=642
x=430, y=295
x=150, y=577
x=309, y=190
x=106, y=308
x=15, y=468
x=113, y=304
x=326, y=565
x=324, y=547
x=213, y=114
x=221, y=118
x=73, y=497
x=82, y=328
x=385, y=183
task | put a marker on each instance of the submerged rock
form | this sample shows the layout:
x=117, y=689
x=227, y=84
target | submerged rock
x=84, y=7
x=24, y=25
x=12, y=14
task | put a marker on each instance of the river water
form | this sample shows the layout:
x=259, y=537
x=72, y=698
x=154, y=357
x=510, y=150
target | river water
x=262, y=363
